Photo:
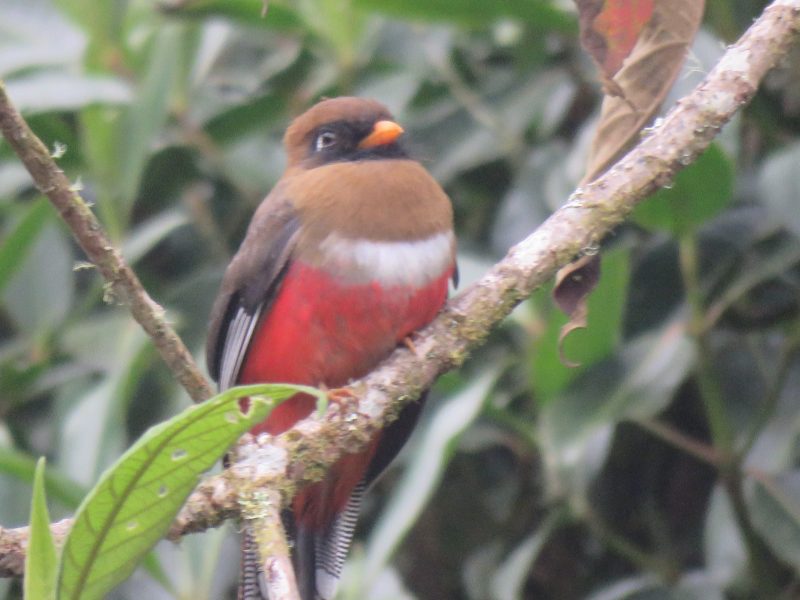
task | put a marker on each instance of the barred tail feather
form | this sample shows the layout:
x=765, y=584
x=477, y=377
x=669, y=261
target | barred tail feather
x=251, y=585
x=304, y=561
x=317, y=557
x=332, y=547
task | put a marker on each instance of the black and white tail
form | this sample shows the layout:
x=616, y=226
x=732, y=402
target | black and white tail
x=318, y=558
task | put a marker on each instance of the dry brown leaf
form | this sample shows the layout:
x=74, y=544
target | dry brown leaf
x=632, y=99
x=574, y=282
x=610, y=28
x=644, y=80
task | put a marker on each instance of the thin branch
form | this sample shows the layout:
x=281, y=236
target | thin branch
x=681, y=441
x=263, y=517
x=666, y=570
x=711, y=394
x=302, y=454
x=260, y=509
x=124, y=285
x=14, y=542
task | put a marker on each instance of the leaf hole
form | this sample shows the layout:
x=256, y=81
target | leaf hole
x=163, y=491
x=131, y=526
x=231, y=417
x=179, y=454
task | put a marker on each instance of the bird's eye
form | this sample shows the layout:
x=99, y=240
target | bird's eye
x=326, y=139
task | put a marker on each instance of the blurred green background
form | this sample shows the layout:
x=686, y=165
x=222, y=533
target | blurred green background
x=526, y=479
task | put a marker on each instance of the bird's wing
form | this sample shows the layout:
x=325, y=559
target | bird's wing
x=249, y=286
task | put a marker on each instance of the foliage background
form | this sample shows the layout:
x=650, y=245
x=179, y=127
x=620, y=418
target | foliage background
x=526, y=479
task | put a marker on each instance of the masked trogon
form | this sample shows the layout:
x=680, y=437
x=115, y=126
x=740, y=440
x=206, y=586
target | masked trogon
x=350, y=253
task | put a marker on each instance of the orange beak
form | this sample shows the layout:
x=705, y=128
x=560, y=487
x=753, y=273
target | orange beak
x=383, y=132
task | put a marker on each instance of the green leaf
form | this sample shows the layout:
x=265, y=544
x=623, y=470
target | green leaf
x=102, y=26
x=693, y=586
x=40, y=294
x=724, y=552
x=92, y=422
x=59, y=487
x=147, y=115
x=63, y=91
x=427, y=465
x=698, y=193
x=241, y=119
x=778, y=182
x=17, y=243
x=27, y=30
x=508, y=581
x=279, y=16
x=41, y=563
x=639, y=381
x=775, y=511
x=535, y=13
x=135, y=501
x=146, y=236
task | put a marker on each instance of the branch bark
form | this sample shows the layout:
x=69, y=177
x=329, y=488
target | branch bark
x=303, y=453
x=125, y=285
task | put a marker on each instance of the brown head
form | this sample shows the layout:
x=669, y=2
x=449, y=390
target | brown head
x=341, y=129
x=348, y=173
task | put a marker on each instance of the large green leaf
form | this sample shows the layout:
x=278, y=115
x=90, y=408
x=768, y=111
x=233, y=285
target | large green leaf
x=778, y=182
x=279, y=15
x=41, y=561
x=135, y=501
x=774, y=504
x=27, y=31
x=240, y=120
x=698, y=193
x=146, y=236
x=639, y=381
x=92, y=417
x=147, y=115
x=693, y=586
x=535, y=13
x=429, y=460
x=20, y=239
x=63, y=91
x=725, y=555
x=508, y=581
x=59, y=487
x=39, y=295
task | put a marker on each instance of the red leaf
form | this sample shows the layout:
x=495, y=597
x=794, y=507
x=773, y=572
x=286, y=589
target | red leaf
x=610, y=29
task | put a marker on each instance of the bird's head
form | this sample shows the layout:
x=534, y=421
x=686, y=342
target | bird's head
x=343, y=129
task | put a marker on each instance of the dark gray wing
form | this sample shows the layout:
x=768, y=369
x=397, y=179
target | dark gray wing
x=249, y=286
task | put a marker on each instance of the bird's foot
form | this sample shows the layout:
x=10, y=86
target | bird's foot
x=408, y=342
x=341, y=397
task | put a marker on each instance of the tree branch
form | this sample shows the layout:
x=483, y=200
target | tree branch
x=124, y=284
x=302, y=454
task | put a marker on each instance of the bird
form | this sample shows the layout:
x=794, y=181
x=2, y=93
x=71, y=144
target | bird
x=350, y=253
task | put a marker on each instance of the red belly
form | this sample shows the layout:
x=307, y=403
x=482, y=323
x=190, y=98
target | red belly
x=319, y=332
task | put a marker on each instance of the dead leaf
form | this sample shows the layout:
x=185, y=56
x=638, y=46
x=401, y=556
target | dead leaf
x=644, y=79
x=660, y=33
x=610, y=29
x=574, y=282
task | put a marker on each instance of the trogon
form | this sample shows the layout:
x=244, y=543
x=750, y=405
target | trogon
x=349, y=254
